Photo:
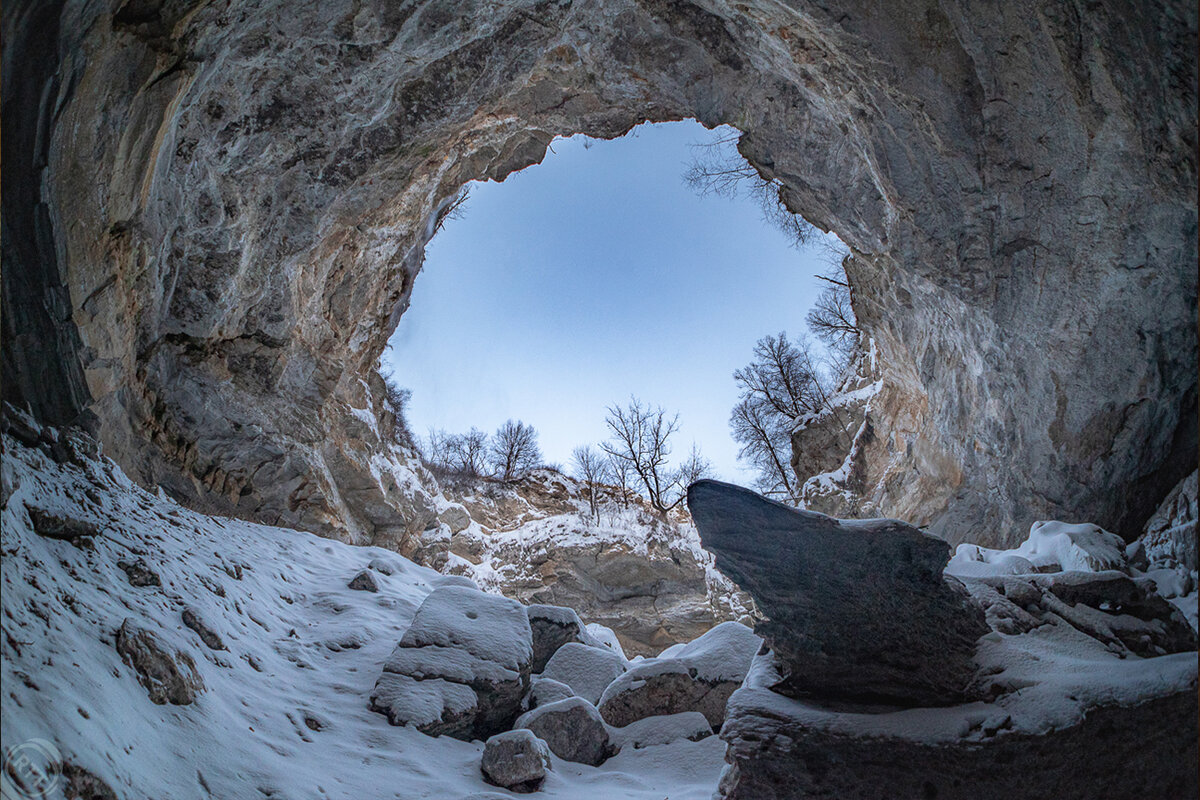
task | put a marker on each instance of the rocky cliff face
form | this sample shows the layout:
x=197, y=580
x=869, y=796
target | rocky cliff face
x=220, y=209
x=536, y=541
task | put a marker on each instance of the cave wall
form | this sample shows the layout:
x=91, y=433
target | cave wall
x=237, y=195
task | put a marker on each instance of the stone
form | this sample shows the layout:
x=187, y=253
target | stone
x=543, y=691
x=462, y=667
x=553, y=626
x=192, y=618
x=516, y=760
x=1170, y=536
x=587, y=670
x=64, y=526
x=573, y=729
x=456, y=518
x=364, y=582
x=167, y=677
x=856, y=612
x=699, y=676
x=138, y=573
x=662, y=729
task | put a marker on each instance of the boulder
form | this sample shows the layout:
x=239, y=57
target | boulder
x=700, y=676
x=167, y=677
x=573, y=729
x=587, y=670
x=461, y=668
x=650, y=731
x=857, y=611
x=364, y=581
x=516, y=760
x=554, y=626
x=543, y=691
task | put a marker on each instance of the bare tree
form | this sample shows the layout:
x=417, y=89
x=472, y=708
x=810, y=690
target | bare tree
x=455, y=209
x=396, y=402
x=437, y=449
x=641, y=439
x=832, y=318
x=779, y=386
x=694, y=467
x=468, y=453
x=765, y=440
x=514, y=451
x=718, y=168
x=592, y=468
x=622, y=475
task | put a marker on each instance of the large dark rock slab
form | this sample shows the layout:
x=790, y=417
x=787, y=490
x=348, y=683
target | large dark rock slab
x=857, y=611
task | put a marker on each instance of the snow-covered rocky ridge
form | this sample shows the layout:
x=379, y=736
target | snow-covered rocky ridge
x=256, y=628
x=536, y=540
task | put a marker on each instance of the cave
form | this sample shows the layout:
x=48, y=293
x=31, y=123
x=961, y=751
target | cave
x=215, y=211
x=210, y=285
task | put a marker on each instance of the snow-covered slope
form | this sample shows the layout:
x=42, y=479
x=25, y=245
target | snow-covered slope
x=282, y=712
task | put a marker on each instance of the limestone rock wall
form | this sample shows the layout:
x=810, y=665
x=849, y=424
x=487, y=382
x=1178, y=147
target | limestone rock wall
x=230, y=203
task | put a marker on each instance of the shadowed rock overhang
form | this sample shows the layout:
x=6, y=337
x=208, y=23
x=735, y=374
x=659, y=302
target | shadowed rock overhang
x=214, y=213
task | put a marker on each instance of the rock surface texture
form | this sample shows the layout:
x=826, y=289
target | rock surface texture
x=516, y=760
x=856, y=612
x=214, y=215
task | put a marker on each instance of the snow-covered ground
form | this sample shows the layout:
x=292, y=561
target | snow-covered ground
x=283, y=712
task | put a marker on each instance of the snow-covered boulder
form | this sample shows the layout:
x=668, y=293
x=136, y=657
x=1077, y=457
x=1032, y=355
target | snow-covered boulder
x=461, y=668
x=554, y=626
x=587, y=670
x=1051, y=547
x=543, y=691
x=607, y=637
x=573, y=729
x=651, y=731
x=699, y=677
x=516, y=760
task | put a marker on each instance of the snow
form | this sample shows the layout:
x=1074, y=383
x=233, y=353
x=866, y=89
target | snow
x=722, y=654
x=659, y=730
x=1051, y=545
x=587, y=670
x=605, y=636
x=463, y=620
x=284, y=712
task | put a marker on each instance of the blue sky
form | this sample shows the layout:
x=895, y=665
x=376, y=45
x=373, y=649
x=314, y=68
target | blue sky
x=590, y=277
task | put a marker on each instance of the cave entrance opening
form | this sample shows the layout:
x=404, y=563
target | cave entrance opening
x=612, y=270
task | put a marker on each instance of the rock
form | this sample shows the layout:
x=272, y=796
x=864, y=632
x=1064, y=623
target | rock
x=554, y=626
x=973, y=176
x=59, y=525
x=168, y=678
x=456, y=518
x=192, y=619
x=646, y=579
x=572, y=728
x=461, y=668
x=381, y=566
x=516, y=760
x=543, y=691
x=651, y=731
x=699, y=676
x=138, y=573
x=856, y=611
x=587, y=670
x=1050, y=732
x=607, y=637
x=364, y=582
x=1170, y=537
